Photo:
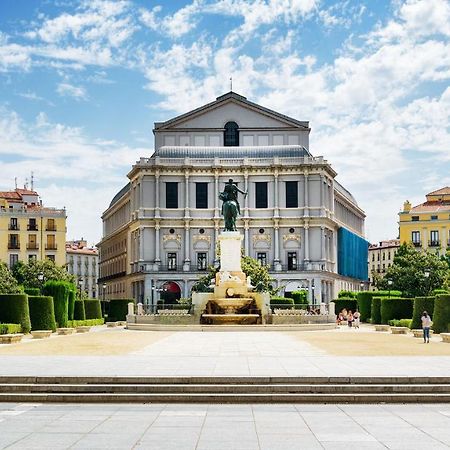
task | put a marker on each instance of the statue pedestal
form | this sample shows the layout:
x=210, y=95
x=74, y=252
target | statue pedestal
x=230, y=251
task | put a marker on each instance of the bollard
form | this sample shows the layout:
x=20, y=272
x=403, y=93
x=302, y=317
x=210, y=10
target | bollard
x=131, y=309
x=331, y=310
x=140, y=309
x=323, y=309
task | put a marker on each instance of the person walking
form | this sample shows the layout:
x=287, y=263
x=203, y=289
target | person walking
x=426, y=324
x=356, y=318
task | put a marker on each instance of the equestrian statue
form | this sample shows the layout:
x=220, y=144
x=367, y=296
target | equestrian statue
x=230, y=206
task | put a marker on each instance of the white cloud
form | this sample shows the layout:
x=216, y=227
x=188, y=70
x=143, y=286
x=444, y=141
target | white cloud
x=69, y=90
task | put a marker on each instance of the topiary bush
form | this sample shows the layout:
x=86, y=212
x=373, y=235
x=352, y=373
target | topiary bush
x=345, y=303
x=42, y=313
x=346, y=294
x=10, y=328
x=364, y=299
x=400, y=323
x=396, y=308
x=118, y=309
x=14, y=309
x=421, y=304
x=78, y=310
x=32, y=291
x=375, y=310
x=300, y=297
x=93, y=309
x=85, y=323
x=72, y=296
x=59, y=290
x=441, y=319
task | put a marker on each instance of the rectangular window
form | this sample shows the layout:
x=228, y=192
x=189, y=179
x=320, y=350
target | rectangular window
x=51, y=242
x=171, y=195
x=202, y=262
x=51, y=258
x=434, y=217
x=292, y=260
x=415, y=238
x=13, y=241
x=13, y=225
x=262, y=258
x=261, y=195
x=32, y=242
x=415, y=218
x=201, y=195
x=32, y=225
x=171, y=261
x=291, y=194
x=51, y=225
x=434, y=238
x=13, y=259
x=32, y=258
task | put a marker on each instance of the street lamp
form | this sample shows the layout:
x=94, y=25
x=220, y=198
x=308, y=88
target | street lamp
x=390, y=283
x=426, y=274
x=80, y=283
x=103, y=303
x=313, y=296
x=361, y=285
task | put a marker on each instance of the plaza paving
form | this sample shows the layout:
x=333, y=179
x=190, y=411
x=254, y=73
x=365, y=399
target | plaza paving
x=213, y=427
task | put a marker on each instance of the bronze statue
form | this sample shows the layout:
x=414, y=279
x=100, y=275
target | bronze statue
x=230, y=207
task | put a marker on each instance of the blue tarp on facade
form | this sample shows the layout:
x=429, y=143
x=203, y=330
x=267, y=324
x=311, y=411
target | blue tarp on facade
x=352, y=255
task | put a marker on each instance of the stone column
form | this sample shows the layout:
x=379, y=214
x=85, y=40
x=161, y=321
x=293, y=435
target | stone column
x=141, y=244
x=147, y=290
x=276, y=245
x=187, y=242
x=306, y=243
x=157, y=212
x=246, y=190
x=322, y=243
x=157, y=246
x=332, y=196
x=246, y=237
x=186, y=194
x=306, y=197
x=216, y=194
x=322, y=195
x=276, y=212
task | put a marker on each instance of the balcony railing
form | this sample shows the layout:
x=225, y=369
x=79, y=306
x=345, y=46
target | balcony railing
x=51, y=247
x=14, y=227
x=417, y=243
x=13, y=246
x=32, y=227
x=434, y=243
x=32, y=246
x=50, y=228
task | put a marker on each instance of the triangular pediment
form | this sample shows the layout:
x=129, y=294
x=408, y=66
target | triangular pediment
x=231, y=107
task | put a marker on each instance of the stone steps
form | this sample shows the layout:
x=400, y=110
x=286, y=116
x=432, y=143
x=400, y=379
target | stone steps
x=226, y=389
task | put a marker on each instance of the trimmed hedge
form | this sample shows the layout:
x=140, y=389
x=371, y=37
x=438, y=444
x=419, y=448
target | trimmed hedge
x=118, y=309
x=435, y=292
x=72, y=296
x=85, y=323
x=93, y=309
x=365, y=301
x=344, y=303
x=78, y=311
x=300, y=297
x=59, y=290
x=10, y=328
x=375, y=310
x=32, y=291
x=400, y=323
x=14, y=309
x=441, y=320
x=347, y=294
x=396, y=308
x=421, y=304
x=281, y=301
x=42, y=313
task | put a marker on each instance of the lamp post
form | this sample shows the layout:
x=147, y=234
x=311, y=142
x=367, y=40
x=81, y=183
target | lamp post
x=426, y=274
x=390, y=283
x=80, y=283
x=41, y=278
x=361, y=285
x=103, y=303
x=313, y=296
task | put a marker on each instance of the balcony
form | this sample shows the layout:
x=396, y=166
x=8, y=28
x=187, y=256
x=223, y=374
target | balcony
x=13, y=246
x=32, y=246
x=434, y=243
x=13, y=227
x=51, y=246
x=417, y=243
x=32, y=227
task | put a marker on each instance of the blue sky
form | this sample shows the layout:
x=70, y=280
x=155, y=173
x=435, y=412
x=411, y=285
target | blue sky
x=83, y=81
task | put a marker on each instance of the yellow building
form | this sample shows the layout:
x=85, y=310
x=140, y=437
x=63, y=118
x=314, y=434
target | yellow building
x=427, y=226
x=30, y=231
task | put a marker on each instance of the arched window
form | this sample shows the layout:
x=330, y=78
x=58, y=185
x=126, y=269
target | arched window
x=231, y=134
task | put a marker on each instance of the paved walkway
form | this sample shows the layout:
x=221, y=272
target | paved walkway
x=214, y=427
x=227, y=353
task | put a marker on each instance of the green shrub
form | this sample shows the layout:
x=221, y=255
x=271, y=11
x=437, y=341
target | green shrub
x=93, y=309
x=364, y=299
x=300, y=297
x=118, y=309
x=344, y=303
x=32, y=291
x=421, y=304
x=375, y=310
x=346, y=294
x=400, y=323
x=59, y=290
x=78, y=310
x=441, y=319
x=42, y=313
x=396, y=308
x=85, y=323
x=71, y=306
x=281, y=301
x=14, y=309
x=10, y=328
x=388, y=293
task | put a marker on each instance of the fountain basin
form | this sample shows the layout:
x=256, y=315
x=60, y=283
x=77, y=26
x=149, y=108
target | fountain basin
x=231, y=318
x=232, y=305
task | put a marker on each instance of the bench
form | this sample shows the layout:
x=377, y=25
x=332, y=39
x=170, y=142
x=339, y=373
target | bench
x=382, y=327
x=83, y=329
x=10, y=338
x=41, y=334
x=445, y=337
x=399, y=330
x=65, y=331
x=419, y=333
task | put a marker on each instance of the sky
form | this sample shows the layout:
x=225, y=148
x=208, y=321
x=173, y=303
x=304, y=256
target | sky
x=82, y=83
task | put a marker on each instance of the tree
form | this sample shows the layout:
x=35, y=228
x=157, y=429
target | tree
x=407, y=273
x=259, y=277
x=8, y=284
x=28, y=274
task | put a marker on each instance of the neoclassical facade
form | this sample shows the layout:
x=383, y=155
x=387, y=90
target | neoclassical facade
x=160, y=231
